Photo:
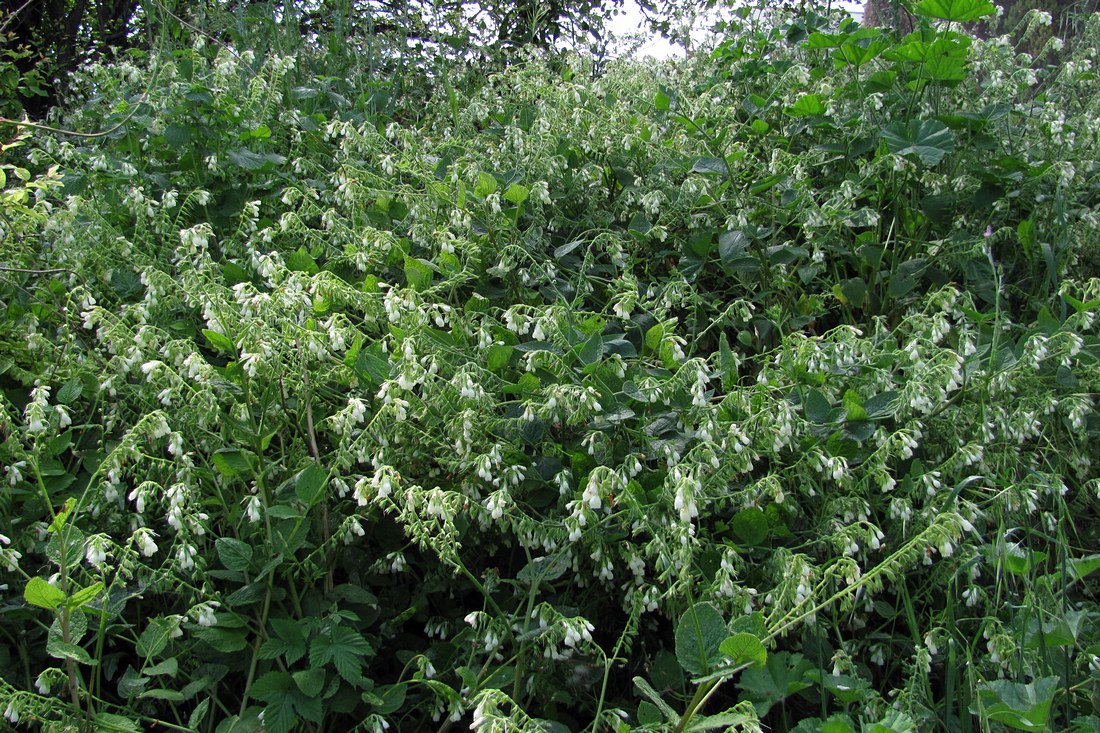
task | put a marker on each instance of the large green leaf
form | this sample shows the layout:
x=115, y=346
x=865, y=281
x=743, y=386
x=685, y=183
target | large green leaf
x=956, y=11
x=782, y=675
x=234, y=554
x=929, y=140
x=309, y=484
x=699, y=635
x=745, y=648
x=1016, y=704
x=40, y=593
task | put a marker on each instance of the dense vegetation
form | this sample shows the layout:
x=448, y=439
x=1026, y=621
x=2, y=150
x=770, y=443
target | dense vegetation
x=751, y=391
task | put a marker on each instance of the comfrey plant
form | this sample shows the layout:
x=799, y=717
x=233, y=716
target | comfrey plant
x=752, y=391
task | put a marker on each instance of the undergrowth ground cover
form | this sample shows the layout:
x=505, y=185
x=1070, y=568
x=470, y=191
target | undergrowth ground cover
x=752, y=391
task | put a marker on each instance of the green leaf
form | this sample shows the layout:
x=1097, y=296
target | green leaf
x=710, y=165
x=498, y=356
x=300, y=260
x=654, y=336
x=230, y=462
x=234, y=554
x=929, y=140
x=159, y=693
x=516, y=194
x=1025, y=232
x=783, y=675
x=881, y=405
x=699, y=634
x=310, y=681
x=818, y=409
x=108, y=723
x=1017, y=705
x=732, y=245
x=648, y=713
x=392, y=697
x=955, y=11
x=728, y=720
x=344, y=648
x=894, y=722
x=219, y=342
x=177, y=135
x=808, y=105
x=168, y=667
x=418, y=273
x=64, y=650
x=155, y=637
x=750, y=526
x=222, y=639
x=251, y=161
x=744, y=648
x=40, y=593
x=309, y=484
x=646, y=689
x=662, y=101
x=486, y=185
x=289, y=641
x=71, y=392
x=83, y=597
x=198, y=714
x=854, y=406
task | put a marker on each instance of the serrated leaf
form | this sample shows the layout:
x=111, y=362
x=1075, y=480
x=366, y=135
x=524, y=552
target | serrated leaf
x=40, y=593
x=929, y=140
x=310, y=681
x=782, y=675
x=155, y=637
x=744, y=648
x=224, y=640
x=699, y=634
x=83, y=597
x=955, y=11
x=168, y=667
x=64, y=650
x=198, y=714
x=309, y=484
x=234, y=554
x=71, y=392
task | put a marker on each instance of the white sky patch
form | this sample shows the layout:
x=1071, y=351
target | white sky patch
x=629, y=23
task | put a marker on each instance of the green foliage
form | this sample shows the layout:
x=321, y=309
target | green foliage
x=756, y=389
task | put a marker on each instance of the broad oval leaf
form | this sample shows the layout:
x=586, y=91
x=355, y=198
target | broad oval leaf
x=745, y=648
x=699, y=634
x=955, y=11
x=929, y=140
